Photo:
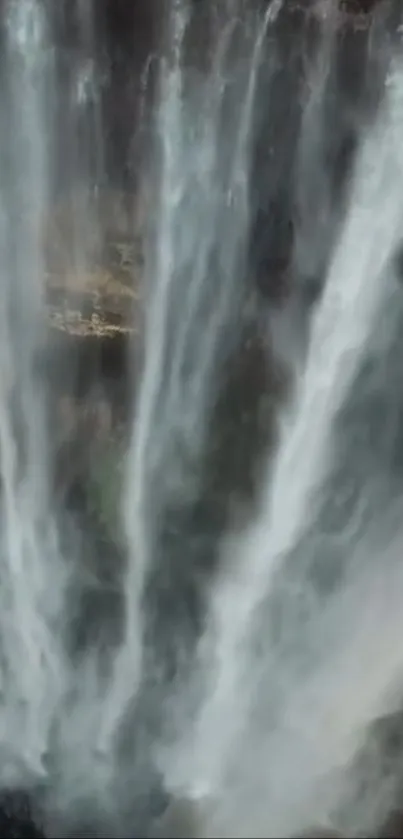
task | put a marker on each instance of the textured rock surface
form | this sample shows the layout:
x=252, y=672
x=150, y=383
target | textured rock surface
x=93, y=261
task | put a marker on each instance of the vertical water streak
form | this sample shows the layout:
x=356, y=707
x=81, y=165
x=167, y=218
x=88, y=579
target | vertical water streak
x=313, y=193
x=31, y=570
x=232, y=248
x=82, y=144
x=193, y=288
x=88, y=92
x=235, y=234
x=138, y=511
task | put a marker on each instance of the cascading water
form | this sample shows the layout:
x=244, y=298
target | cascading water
x=33, y=576
x=242, y=768
x=359, y=280
x=262, y=724
x=195, y=297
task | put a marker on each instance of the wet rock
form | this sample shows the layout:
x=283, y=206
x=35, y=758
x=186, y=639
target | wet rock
x=93, y=257
x=17, y=819
x=393, y=827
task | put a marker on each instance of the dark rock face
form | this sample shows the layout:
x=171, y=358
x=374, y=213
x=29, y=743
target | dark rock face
x=17, y=819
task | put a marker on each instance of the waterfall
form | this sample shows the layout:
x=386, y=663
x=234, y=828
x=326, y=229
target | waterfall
x=259, y=715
